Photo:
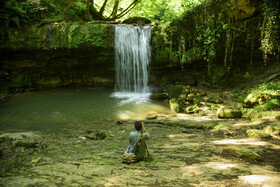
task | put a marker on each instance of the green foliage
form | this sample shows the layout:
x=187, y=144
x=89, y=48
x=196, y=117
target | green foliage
x=271, y=87
x=76, y=11
x=270, y=30
x=93, y=34
x=16, y=13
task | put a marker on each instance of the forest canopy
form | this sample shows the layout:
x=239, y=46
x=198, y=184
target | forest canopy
x=16, y=13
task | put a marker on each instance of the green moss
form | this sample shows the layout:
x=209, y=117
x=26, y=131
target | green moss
x=257, y=133
x=216, y=100
x=229, y=112
x=175, y=91
x=176, y=105
x=241, y=153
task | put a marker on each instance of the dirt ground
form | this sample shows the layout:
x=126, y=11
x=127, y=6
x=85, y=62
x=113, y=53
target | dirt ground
x=181, y=156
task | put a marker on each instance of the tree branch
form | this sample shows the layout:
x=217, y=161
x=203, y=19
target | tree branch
x=131, y=6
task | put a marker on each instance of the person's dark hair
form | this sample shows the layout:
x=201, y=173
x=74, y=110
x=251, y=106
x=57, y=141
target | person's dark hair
x=138, y=125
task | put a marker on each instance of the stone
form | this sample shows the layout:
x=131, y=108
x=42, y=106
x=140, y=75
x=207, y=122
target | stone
x=98, y=135
x=229, y=112
x=176, y=105
x=255, y=99
x=23, y=139
x=192, y=109
x=241, y=153
x=257, y=133
x=159, y=96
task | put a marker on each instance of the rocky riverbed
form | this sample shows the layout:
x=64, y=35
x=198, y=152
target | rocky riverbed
x=187, y=150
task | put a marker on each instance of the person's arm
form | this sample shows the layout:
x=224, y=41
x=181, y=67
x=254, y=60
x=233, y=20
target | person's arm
x=144, y=128
x=146, y=135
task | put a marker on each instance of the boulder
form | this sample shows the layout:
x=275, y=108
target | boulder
x=176, y=104
x=159, y=96
x=255, y=99
x=192, y=109
x=229, y=112
x=23, y=139
x=241, y=153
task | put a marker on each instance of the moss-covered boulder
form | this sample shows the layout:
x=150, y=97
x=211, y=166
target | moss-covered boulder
x=241, y=153
x=255, y=99
x=257, y=133
x=159, y=96
x=229, y=112
x=192, y=109
x=176, y=104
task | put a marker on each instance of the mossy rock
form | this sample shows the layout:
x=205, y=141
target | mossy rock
x=216, y=100
x=176, y=104
x=257, y=133
x=192, y=109
x=241, y=153
x=256, y=99
x=159, y=96
x=194, y=98
x=175, y=91
x=229, y=112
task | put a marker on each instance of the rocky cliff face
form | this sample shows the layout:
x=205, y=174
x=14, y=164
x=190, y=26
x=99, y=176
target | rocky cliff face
x=58, y=54
x=219, y=43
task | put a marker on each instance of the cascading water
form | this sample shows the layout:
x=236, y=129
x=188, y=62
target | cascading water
x=132, y=58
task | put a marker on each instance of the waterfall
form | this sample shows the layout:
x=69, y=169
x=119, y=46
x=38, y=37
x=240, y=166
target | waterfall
x=132, y=58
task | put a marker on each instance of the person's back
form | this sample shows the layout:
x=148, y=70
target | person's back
x=138, y=136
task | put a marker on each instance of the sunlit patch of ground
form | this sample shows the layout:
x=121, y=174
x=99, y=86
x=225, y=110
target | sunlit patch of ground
x=261, y=180
x=181, y=158
x=245, y=141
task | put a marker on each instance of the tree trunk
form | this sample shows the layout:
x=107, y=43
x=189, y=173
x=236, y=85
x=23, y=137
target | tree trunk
x=115, y=9
x=101, y=11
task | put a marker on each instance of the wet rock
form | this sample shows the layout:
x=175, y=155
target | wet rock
x=257, y=133
x=159, y=96
x=24, y=139
x=229, y=112
x=241, y=153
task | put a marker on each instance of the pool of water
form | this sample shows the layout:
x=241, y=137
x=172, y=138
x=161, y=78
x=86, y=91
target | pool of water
x=65, y=109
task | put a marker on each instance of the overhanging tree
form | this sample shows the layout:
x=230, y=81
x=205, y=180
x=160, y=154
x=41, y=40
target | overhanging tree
x=93, y=13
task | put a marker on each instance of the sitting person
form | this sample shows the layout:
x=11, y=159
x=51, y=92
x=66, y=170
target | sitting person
x=137, y=143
